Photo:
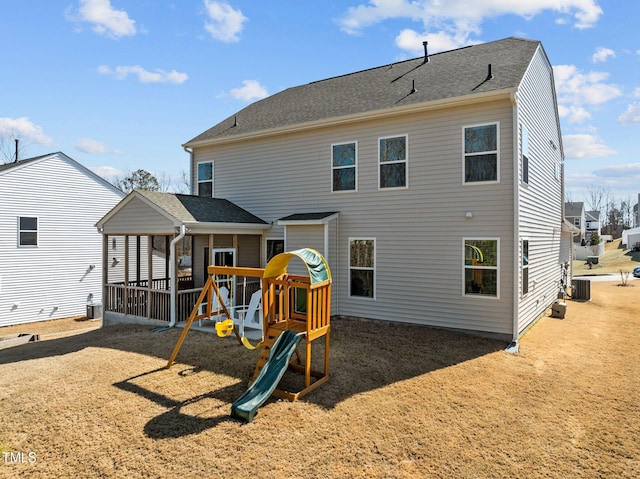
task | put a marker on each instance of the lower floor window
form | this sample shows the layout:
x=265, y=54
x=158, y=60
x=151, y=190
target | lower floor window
x=362, y=267
x=481, y=267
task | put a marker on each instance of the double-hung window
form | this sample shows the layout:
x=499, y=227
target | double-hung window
x=205, y=179
x=525, y=267
x=27, y=231
x=481, y=266
x=343, y=166
x=362, y=267
x=481, y=159
x=393, y=162
x=525, y=154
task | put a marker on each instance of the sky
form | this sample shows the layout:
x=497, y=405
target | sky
x=120, y=85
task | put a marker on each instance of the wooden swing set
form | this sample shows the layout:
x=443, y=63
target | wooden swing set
x=297, y=303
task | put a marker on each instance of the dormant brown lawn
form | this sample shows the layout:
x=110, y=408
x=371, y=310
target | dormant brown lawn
x=402, y=401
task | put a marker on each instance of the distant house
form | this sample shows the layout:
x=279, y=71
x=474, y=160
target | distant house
x=433, y=187
x=50, y=251
x=575, y=214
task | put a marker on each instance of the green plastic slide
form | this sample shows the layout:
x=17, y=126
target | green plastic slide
x=246, y=405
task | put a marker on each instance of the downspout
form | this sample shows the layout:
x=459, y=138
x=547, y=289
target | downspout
x=514, y=346
x=173, y=274
x=185, y=148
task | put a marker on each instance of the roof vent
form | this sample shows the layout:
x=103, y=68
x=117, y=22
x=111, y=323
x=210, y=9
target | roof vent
x=489, y=74
x=235, y=120
x=426, y=52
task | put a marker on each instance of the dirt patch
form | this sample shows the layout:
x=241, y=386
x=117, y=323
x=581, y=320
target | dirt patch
x=402, y=401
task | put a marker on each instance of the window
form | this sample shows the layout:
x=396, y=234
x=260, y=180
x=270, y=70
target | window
x=576, y=222
x=481, y=153
x=525, y=267
x=205, y=179
x=525, y=155
x=343, y=169
x=274, y=247
x=481, y=267
x=362, y=258
x=392, y=152
x=27, y=231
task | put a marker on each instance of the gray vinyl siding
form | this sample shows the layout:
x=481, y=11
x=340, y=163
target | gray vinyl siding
x=136, y=217
x=418, y=230
x=56, y=278
x=540, y=210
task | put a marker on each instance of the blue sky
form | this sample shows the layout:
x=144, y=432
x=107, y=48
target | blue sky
x=121, y=84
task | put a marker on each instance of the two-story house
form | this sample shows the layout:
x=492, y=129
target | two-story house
x=50, y=252
x=432, y=186
x=575, y=214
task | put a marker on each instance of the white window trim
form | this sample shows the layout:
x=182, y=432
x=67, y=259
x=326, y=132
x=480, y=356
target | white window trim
x=37, y=232
x=406, y=162
x=497, y=152
x=496, y=267
x=375, y=265
x=355, y=167
x=213, y=194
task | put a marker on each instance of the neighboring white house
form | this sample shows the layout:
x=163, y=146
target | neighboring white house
x=433, y=187
x=50, y=251
x=631, y=238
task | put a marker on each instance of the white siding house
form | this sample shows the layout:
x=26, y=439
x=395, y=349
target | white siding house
x=433, y=186
x=50, y=250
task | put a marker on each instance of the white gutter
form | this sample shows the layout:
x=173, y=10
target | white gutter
x=173, y=274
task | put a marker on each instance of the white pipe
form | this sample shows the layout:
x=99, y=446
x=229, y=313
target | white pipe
x=174, y=274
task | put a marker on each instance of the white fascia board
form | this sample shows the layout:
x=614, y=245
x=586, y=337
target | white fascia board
x=227, y=228
x=320, y=221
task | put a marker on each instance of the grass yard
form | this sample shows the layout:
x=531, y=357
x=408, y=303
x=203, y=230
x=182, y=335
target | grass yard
x=402, y=402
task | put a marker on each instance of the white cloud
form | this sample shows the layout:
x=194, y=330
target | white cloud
x=636, y=92
x=582, y=146
x=107, y=172
x=574, y=113
x=602, y=54
x=87, y=145
x=577, y=90
x=23, y=129
x=224, y=22
x=144, y=76
x=251, y=90
x=632, y=115
x=411, y=41
x=452, y=21
x=619, y=171
x=105, y=19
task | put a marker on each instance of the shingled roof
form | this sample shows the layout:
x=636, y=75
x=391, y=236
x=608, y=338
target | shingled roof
x=484, y=68
x=197, y=209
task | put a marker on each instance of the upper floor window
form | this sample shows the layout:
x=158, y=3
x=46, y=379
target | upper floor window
x=27, y=231
x=481, y=153
x=343, y=166
x=205, y=179
x=576, y=222
x=362, y=267
x=481, y=266
x=525, y=155
x=525, y=267
x=392, y=152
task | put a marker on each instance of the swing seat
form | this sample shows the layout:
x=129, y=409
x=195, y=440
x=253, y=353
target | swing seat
x=224, y=328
